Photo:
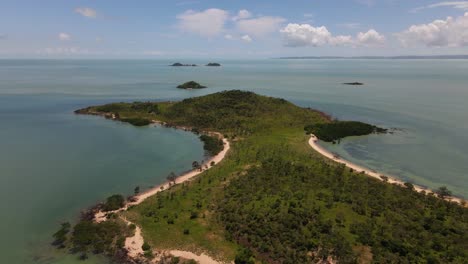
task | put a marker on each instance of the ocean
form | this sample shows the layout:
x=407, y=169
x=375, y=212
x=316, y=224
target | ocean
x=53, y=164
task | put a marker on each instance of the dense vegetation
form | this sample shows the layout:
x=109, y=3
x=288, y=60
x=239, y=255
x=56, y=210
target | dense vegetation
x=211, y=144
x=213, y=64
x=275, y=200
x=114, y=202
x=339, y=129
x=191, y=85
x=100, y=238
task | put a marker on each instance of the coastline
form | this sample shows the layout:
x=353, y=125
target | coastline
x=133, y=244
x=313, y=142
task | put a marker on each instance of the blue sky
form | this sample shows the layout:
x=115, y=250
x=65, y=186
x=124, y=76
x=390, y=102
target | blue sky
x=231, y=29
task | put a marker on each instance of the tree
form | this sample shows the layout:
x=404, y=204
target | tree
x=443, y=192
x=172, y=177
x=137, y=190
x=244, y=256
x=196, y=165
x=114, y=202
x=409, y=185
x=146, y=246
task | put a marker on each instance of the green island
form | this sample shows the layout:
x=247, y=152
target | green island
x=337, y=130
x=273, y=199
x=191, y=85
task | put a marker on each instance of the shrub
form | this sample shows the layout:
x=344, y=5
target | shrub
x=146, y=246
x=114, y=202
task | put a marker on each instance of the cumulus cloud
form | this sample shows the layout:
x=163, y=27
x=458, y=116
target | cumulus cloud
x=209, y=22
x=451, y=32
x=64, y=36
x=242, y=14
x=370, y=38
x=297, y=35
x=246, y=38
x=260, y=26
x=86, y=12
x=455, y=4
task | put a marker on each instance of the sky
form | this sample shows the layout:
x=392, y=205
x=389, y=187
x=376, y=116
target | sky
x=231, y=29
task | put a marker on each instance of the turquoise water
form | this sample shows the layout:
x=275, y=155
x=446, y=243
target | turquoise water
x=54, y=163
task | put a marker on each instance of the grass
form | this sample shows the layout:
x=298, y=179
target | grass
x=271, y=179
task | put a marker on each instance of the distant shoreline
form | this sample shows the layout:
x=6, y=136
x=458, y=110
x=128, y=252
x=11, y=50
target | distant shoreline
x=313, y=142
x=408, y=57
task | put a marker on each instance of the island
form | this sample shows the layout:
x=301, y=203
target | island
x=213, y=64
x=178, y=64
x=353, y=83
x=191, y=85
x=267, y=198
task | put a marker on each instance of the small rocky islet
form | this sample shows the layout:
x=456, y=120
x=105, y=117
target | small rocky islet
x=353, y=83
x=191, y=85
x=178, y=64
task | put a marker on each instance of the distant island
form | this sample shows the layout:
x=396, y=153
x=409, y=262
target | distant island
x=191, y=85
x=353, y=83
x=178, y=64
x=270, y=199
x=404, y=57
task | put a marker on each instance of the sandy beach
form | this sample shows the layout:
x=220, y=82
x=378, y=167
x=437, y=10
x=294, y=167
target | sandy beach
x=313, y=142
x=134, y=243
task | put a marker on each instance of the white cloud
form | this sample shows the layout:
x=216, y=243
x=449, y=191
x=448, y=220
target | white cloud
x=242, y=14
x=455, y=4
x=64, y=36
x=370, y=38
x=205, y=23
x=86, y=12
x=228, y=36
x=297, y=35
x=246, y=38
x=260, y=26
x=451, y=32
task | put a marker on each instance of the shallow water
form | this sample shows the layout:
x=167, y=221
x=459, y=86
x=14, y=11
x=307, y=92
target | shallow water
x=54, y=163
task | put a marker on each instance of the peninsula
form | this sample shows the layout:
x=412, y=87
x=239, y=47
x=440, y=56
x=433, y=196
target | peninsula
x=272, y=199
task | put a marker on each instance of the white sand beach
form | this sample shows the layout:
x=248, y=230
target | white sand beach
x=134, y=243
x=313, y=142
